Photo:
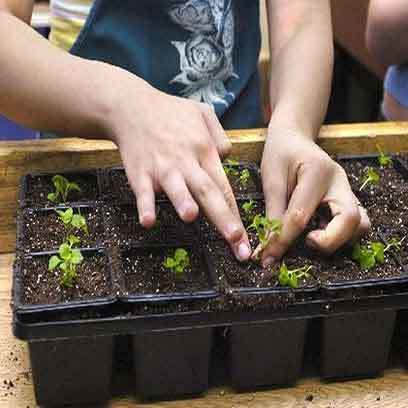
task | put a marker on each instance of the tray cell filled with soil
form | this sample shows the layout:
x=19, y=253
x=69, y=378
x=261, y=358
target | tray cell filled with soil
x=386, y=199
x=42, y=230
x=37, y=288
x=37, y=187
x=147, y=278
x=244, y=178
x=125, y=229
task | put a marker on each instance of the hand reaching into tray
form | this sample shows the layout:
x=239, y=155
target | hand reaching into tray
x=297, y=178
x=175, y=147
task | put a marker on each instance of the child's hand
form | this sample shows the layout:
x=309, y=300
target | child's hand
x=297, y=177
x=173, y=144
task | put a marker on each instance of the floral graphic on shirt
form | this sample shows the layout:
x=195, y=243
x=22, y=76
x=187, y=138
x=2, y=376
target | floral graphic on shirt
x=206, y=57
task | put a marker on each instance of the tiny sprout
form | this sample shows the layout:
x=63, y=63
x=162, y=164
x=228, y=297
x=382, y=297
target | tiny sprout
x=62, y=189
x=248, y=208
x=264, y=227
x=67, y=260
x=371, y=177
x=244, y=177
x=179, y=262
x=383, y=159
x=73, y=221
x=291, y=278
x=230, y=167
x=372, y=253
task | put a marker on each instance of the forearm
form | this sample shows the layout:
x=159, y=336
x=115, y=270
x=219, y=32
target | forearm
x=301, y=64
x=387, y=29
x=47, y=89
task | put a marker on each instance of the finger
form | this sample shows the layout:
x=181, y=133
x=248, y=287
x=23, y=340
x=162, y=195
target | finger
x=274, y=180
x=216, y=131
x=213, y=167
x=365, y=223
x=214, y=204
x=305, y=199
x=142, y=186
x=175, y=187
x=342, y=228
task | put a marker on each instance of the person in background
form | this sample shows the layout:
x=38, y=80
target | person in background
x=387, y=40
x=162, y=78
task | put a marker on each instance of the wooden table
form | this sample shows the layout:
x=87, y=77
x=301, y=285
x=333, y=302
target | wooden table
x=16, y=390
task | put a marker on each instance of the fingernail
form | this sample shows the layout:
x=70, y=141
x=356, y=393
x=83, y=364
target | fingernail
x=244, y=252
x=184, y=208
x=268, y=261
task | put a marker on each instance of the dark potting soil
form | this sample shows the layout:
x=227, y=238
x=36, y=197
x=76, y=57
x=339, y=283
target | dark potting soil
x=251, y=274
x=386, y=202
x=39, y=186
x=126, y=229
x=44, y=231
x=42, y=287
x=240, y=187
x=210, y=233
x=145, y=273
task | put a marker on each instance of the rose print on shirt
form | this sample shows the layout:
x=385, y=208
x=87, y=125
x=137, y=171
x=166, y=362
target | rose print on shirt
x=206, y=57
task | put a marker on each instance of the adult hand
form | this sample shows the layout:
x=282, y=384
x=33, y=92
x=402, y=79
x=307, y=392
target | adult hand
x=172, y=144
x=297, y=178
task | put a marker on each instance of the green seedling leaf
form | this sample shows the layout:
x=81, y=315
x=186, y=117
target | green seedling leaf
x=76, y=257
x=73, y=240
x=371, y=177
x=66, y=216
x=62, y=188
x=230, y=167
x=383, y=159
x=372, y=253
x=290, y=278
x=244, y=177
x=265, y=227
x=52, y=197
x=54, y=262
x=179, y=262
x=65, y=251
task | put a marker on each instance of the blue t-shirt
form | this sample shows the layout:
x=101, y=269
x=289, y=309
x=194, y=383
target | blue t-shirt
x=396, y=83
x=206, y=50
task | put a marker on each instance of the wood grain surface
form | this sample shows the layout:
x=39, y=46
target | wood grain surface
x=389, y=390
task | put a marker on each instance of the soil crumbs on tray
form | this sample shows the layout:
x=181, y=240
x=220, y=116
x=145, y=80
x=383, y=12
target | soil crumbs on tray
x=42, y=287
x=145, y=273
x=44, y=230
x=40, y=186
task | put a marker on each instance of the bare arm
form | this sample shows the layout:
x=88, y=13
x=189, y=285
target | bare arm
x=167, y=143
x=300, y=37
x=297, y=175
x=387, y=31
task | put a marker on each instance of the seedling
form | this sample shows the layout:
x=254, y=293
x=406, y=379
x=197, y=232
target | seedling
x=264, y=227
x=230, y=167
x=248, y=208
x=178, y=263
x=244, y=177
x=62, y=188
x=291, y=278
x=66, y=261
x=73, y=221
x=383, y=159
x=371, y=177
x=372, y=253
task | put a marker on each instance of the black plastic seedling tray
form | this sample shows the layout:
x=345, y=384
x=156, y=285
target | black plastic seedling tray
x=172, y=333
x=81, y=306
